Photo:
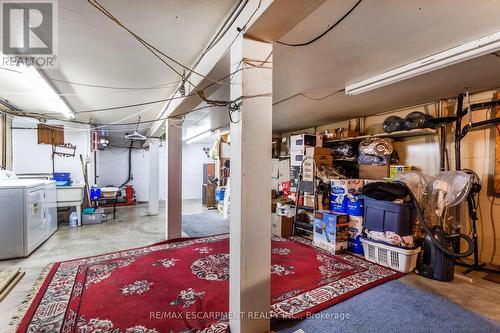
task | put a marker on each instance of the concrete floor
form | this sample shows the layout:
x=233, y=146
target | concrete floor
x=133, y=228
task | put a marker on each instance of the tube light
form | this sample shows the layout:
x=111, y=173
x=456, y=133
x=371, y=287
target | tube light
x=38, y=84
x=198, y=137
x=479, y=47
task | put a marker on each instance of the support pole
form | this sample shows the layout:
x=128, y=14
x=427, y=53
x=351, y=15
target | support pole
x=250, y=207
x=174, y=179
x=154, y=177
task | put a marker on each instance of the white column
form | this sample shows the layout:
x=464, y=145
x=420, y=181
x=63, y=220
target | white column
x=154, y=177
x=174, y=179
x=250, y=230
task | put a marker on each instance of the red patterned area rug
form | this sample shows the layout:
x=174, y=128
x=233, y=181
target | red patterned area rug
x=182, y=286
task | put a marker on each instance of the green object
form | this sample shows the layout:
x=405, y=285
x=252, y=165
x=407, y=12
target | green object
x=88, y=211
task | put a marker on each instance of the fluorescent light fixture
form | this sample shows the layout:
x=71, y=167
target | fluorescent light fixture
x=479, y=47
x=199, y=137
x=38, y=84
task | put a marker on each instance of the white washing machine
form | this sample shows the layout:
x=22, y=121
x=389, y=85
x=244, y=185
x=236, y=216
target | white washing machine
x=28, y=214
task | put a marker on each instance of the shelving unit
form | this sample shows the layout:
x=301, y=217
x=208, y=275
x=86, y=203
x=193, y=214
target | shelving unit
x=398, y=134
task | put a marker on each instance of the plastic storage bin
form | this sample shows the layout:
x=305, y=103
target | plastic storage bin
x=61, y=178
x=389, y=216
x=96, y=217
x=402, y=260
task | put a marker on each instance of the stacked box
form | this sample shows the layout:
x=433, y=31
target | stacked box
x=330, y=231
x=355, y=232
x=298, y=145
x=344, y=191
x=397, y=169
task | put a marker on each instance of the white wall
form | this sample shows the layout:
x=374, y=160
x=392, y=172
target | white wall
x=30, y=157
x=193, y=158
x=112, y=170
x=112, y=167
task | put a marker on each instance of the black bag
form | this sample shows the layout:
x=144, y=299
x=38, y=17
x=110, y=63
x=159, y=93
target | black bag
x=385, y=191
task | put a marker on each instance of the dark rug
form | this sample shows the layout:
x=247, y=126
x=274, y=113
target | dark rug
x=206, y=224
x=392, y=307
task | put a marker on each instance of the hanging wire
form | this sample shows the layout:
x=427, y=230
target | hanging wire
x=232, y=105
x=324, y=33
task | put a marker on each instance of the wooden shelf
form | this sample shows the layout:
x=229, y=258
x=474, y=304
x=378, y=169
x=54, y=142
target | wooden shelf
x=399, y=134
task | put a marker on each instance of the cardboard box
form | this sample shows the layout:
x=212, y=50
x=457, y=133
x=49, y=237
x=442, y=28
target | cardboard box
x=284, y=170
x=296, y=158
x=345, y=134
x=309, y=199
x=320, y=155
x=378, y=172
x=225, y=150
x=308, y=166
x=397, y=169
x=330, y=231
x=311, y=151
x=302, y=141
x=275, y=163
x=281, y=225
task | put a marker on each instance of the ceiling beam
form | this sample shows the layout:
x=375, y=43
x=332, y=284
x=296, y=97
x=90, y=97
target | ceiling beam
x=280, y=17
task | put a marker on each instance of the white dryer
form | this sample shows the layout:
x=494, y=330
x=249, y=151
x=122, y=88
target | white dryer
x=28, y=214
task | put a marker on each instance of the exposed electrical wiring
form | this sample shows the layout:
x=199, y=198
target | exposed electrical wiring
x=308, y=97
x=324, y=33
x=103, y=126
x=90, y=85
x=232, y=105
x=36, y=114
x=240, y=30
x=154, y=50
x=227, y=26
x=160, y=86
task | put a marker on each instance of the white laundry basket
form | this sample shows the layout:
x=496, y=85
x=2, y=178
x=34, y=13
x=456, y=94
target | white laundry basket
x=402, y=260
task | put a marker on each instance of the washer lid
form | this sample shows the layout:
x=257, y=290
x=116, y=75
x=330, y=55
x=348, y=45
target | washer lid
x=21, y=183
x=7, y=175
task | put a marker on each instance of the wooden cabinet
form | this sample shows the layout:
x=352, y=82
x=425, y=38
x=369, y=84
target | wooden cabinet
x=208, y=189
